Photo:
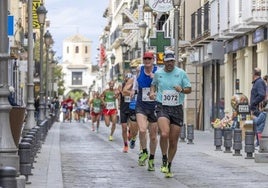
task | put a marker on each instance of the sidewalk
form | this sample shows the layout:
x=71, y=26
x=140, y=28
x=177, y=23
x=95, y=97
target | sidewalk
x=73, y=145
x=47, y=169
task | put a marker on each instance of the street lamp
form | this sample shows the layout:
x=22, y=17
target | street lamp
x=112, y=58
x=51, y=70
x=9, y=156
x=41, y=13
x=48, y=42
x=176, y=5
x=30, y=120
x=124, y=47
x=142, y=26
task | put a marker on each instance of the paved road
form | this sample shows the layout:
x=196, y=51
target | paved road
x=75, y=157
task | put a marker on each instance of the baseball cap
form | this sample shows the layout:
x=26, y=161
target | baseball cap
x=169, y=55
x=148, y=55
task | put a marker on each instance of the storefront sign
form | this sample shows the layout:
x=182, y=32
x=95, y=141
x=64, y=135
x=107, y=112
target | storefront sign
x=259, y=35
x=243, y=109
x=236, y=44
x=161, y=5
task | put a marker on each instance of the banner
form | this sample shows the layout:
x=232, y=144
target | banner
x=36, y=4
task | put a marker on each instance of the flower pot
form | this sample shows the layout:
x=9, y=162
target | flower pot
x=16, y=118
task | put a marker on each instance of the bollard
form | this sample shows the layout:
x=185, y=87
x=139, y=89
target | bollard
x=190, y=133
x=183, y=133
x=227, y=140
x=38, y=136
x=25, y=160
x=249, y=144
x=42, y=126
x=8, y=177
x=218, y=138
x=28, y=135
x=237, y=145
x=30, y=141
x=33, y=132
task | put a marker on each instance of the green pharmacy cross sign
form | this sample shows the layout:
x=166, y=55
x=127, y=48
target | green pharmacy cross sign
x=160, y=41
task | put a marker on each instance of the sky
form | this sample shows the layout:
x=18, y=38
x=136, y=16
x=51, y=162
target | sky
x=69, y=17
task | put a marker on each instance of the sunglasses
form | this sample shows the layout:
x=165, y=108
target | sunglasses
x=147, y=58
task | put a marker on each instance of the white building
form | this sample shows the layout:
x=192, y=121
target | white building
x=77, y=65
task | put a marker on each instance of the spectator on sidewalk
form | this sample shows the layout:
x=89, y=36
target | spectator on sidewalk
x=257, y=95
x=36, y=106
x=259, y=119
x=169, y=87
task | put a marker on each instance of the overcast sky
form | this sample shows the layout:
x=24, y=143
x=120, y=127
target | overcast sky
x=69, y=17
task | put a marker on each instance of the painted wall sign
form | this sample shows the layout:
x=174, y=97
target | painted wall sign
x=161, y=5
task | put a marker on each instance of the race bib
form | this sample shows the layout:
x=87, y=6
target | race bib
x=96, y=109
x=110, y=105
x=170, y=98
x=145, y=94
x=127, y=99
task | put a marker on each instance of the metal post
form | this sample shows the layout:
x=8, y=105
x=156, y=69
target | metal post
x=30, y=120
x=176, y=37
x=8, y=149
x=41, y=106
x=262, y=155
x=46, y=81
x=228, y=140
x=218, y=138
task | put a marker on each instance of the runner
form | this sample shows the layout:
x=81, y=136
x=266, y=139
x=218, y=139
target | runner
x=145, y=107
x=126, y=114
x=69, y=102
x=109, y=97
x=171, y=84
x=83, y=107
x=133, y=126
x=95, y=109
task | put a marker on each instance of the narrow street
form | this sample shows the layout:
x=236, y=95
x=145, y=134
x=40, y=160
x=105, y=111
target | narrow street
x=89, y=160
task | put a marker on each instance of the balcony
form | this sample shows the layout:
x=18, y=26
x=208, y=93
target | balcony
x=251, y=15
x=200, y=22
x=255, y=12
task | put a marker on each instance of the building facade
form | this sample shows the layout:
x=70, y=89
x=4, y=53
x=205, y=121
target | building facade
x=229, y=39
x=76, y=64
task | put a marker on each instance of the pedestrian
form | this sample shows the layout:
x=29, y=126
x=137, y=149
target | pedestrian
x=36, y=107
x=171, y=84
x=145, y=107
x=109, y=97
x=125, y=111
x=95, y=110
x=56, y=104
x=257, y=96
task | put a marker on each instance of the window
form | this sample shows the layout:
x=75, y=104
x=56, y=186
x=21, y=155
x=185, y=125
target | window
x=85, y=49
x=67, y=49
x=76, y=49
x=76, y=78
